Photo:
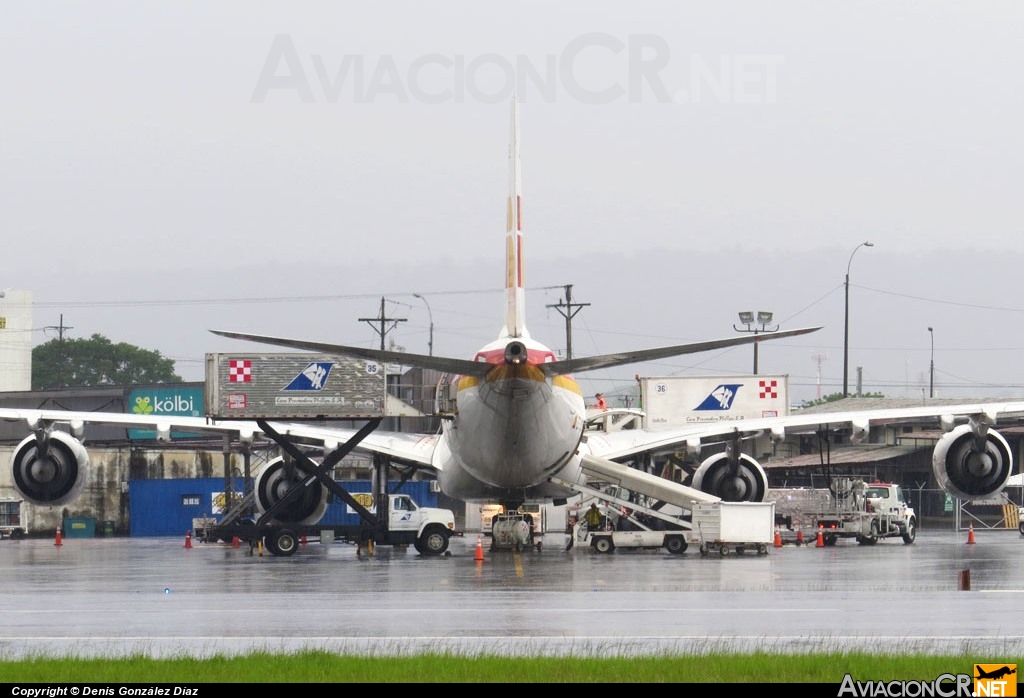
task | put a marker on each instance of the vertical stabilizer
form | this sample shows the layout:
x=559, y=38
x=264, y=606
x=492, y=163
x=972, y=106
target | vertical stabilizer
x=515, y=311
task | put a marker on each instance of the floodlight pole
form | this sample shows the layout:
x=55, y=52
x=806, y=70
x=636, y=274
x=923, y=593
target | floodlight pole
x=747, y=318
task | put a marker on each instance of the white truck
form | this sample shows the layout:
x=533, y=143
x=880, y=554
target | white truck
x=428, y=529
x=866, y=512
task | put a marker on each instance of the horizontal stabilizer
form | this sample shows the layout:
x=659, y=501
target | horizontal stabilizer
x=462, y=367
x=591, y=363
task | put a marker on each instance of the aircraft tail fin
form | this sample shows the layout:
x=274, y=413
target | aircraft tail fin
x=515, y=301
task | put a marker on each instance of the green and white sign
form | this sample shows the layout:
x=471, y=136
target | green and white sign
x=158, y=402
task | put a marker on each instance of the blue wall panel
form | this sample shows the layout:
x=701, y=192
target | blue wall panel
x=167, y=507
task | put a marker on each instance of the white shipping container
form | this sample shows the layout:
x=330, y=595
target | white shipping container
x=680, y=401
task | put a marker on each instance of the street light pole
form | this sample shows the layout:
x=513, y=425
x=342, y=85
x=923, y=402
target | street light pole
x=846, y=322
x=931, y=370
x=764, y=319
x=430, y=340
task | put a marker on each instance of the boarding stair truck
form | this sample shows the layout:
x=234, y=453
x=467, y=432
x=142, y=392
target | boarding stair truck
x=866, y=512
x=669, y=515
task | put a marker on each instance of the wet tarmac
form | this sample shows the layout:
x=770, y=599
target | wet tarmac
x=158, y=597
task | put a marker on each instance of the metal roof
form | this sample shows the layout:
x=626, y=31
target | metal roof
x=846, y=455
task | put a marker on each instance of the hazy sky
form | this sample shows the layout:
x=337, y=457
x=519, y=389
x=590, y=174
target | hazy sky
x=167, y=168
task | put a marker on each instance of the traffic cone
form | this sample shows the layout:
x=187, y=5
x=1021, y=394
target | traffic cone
x=235, y=542
x=188, y=539
x=58, y=542
x=799, y=536
x=778, y=538
x=970, y=534
x=479, y=549
x=821, y=539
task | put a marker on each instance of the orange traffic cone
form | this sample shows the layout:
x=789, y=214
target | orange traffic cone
x=188, y=539
x=821, y=539
x=479, y=549
x=799, y=536
x=970, y=534
x=235, y=542
x=58, y=542
x=778, y=538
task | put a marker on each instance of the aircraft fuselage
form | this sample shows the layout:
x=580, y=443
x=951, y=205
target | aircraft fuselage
x=512, y=429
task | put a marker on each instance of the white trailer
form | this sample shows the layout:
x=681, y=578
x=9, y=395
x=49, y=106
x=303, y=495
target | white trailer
x=739, y=526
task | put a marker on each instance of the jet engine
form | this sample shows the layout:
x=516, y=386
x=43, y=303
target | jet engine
x=273, y=483
x=50, y=469
x=968, y=465
x=740, y=481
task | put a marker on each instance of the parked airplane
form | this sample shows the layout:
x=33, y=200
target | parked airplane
x=517, y=433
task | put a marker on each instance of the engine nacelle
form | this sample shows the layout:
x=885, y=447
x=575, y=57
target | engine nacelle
x=54, y=475
x=967, y=471
x=744, y=481
x=273, y=482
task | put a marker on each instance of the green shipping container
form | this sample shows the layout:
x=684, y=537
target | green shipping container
x=79, y=528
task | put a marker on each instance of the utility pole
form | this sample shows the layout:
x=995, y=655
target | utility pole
x=568, y=310
x=61, y=328
x=382, y=320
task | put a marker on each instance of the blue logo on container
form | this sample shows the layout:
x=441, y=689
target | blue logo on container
x=720, y=399
x=313, y=377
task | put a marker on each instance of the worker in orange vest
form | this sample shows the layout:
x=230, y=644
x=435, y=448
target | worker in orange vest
x=601, y=404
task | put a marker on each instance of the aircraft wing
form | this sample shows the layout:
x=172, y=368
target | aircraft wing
x=631, y=442
x=409, y=447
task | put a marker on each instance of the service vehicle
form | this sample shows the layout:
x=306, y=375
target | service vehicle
x=866, y=512
x=428, y=529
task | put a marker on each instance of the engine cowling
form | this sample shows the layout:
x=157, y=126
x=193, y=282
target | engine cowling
x=54, y=475
x=967, y=471
x=273, y=483
x=744, y=481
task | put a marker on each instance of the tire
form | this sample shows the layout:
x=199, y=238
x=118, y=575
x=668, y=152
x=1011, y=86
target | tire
x=283, y=542
x=724, y=550
x=762, y=549
x=603, y=544
x=910, y=532
x=1021, y=528
x=703, y=549
x=740, y=550
x=676, y=545
x=830, y=539
x=433, y=541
